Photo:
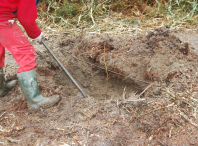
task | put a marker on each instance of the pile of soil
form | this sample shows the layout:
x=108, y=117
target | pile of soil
x=145, y=58
x=151, y=100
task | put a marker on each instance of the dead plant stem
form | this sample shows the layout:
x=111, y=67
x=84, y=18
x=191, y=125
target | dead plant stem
x=145, y=90
x=105, y=56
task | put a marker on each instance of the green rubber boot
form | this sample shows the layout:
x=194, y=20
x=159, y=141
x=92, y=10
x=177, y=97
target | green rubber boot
x=29, y=86
x=5, y=87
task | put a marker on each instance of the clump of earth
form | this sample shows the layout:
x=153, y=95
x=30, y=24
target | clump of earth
x=149, y=95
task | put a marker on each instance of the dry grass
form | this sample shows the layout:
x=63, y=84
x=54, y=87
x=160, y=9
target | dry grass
x=134, y=18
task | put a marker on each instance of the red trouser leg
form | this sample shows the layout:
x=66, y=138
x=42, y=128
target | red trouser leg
x=2, y=56
x=13, y=39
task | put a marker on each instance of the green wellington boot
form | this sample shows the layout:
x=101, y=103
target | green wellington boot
x=29, y=86
x=5, y=87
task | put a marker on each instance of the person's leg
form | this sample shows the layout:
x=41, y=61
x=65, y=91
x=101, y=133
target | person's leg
x=29, y=86
x=13, y=39
x=25, y=55
x=4, y=87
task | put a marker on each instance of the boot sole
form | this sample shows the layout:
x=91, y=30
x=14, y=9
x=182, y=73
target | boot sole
x=55, y=100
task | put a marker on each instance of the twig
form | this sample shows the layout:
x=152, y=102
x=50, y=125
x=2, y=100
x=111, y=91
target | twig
x=57, y=129
x=194, y=99
x=170, y=132
x=124, y=93
x=105, y=58
x=87, y=137
x=10, y=130
x=168, y=92
x=2, y=114
x=148, y=60
x=189, y=120
x=92, y=18
x=136, y=100
x=12, y=140
x=145, y=90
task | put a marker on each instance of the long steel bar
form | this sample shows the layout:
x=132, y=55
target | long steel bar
x=66, y=71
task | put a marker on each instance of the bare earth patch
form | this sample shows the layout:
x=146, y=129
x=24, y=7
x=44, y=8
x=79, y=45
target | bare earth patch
x=151, y=100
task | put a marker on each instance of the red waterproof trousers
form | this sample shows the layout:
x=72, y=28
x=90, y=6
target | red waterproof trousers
x=13, y=39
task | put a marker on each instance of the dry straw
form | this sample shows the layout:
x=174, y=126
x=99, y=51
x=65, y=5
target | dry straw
x=131, y=17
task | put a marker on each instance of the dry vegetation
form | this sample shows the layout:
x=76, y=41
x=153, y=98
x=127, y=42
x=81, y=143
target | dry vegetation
x=120, y=16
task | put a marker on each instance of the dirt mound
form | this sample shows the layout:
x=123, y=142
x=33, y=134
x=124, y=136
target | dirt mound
x=146, y=58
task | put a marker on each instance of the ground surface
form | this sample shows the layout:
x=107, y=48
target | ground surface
x=151, y=100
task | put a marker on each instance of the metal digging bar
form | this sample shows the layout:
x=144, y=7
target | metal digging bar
x=64, y=69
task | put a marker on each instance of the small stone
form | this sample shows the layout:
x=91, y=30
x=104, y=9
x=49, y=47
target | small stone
x=170, y=61
x=167, y=63
x=86, y=85
x=79, y=95
x=164, y=85
x=157, y=91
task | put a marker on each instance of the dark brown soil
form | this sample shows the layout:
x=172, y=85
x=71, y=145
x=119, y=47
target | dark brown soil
x=151, y=93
